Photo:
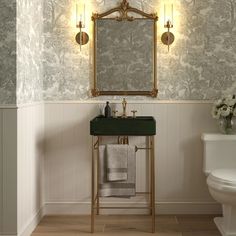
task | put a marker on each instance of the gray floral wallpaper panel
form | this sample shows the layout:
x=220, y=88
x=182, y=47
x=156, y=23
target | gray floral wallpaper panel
x=7, y=51
x=50, y=66
x=201, y=64
x=29, y=51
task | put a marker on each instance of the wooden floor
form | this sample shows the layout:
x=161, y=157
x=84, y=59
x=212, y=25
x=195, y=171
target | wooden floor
x=127, y=225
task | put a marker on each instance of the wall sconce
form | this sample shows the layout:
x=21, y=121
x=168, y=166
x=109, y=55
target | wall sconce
x=81, y=38
x=168, y=38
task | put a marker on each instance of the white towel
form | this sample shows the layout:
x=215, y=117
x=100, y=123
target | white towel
x=119, y=188
x=117, y=162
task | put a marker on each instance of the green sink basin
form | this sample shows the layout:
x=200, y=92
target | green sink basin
x=139, y=126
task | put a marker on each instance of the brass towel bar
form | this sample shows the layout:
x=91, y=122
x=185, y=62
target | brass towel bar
x=95, y=146
x=136, y=148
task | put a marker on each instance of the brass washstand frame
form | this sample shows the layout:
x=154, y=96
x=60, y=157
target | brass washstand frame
x=123, y=11
x=95, y=198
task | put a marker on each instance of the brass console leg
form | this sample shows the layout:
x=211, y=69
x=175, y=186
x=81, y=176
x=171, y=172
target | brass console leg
x=150, y=174
x=153, y=182
x=98, y=176
x=92, y=190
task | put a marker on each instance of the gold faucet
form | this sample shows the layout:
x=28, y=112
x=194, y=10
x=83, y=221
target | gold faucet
x=124, y=104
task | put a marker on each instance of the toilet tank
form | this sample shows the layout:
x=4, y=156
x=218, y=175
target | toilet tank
x=219, y=152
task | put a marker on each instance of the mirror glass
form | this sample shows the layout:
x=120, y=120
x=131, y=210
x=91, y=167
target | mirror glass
x=125, y=55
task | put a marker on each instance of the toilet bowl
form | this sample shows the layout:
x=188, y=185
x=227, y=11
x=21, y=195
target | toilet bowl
x=219, y=164
x=222, y=187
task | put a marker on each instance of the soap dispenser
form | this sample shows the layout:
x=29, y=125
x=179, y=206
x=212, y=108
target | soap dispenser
x=107, y=111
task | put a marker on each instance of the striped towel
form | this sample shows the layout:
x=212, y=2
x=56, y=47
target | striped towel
x=117, y=162
x=125, y=188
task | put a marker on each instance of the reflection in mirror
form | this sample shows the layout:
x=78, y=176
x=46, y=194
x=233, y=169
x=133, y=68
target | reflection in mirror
x=125, y=55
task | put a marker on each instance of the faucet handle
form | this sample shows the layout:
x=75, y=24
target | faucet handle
x=114, y=113
x=134, y=111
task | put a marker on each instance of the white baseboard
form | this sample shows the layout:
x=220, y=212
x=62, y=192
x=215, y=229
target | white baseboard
x=162, y=208
x=188, y=208
x=31, y=224
x=9, y=234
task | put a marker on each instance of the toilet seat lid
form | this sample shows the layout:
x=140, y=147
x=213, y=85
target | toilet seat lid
x=226, y=176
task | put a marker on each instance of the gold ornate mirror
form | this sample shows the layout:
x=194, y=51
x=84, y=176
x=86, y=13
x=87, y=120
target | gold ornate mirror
x=125, y=52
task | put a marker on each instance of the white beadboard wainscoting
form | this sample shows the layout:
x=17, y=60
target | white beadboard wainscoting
x=30, y=156
x=21, y=169
x=180, y=183
x=45, y=161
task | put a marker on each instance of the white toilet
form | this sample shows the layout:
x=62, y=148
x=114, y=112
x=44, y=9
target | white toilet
x=220, y=167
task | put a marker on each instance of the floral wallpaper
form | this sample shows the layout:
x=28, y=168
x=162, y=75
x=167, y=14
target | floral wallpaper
x=29, y=51
x=199, y=66
x=50, y=66
x=21, y=51
x=7, y=51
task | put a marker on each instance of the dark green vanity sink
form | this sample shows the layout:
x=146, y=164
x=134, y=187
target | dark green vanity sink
x=139, y=126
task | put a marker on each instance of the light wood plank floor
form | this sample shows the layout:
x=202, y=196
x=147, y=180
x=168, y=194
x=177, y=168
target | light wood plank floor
x=200, y=225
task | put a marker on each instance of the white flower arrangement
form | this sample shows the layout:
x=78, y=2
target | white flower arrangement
x=224, y=108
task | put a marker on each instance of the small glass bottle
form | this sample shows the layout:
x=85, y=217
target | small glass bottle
x=107, y=110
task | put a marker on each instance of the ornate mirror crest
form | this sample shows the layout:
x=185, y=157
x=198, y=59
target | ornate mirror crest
x=123, y=10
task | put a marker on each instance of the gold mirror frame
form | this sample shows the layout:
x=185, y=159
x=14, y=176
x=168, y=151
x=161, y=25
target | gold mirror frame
x=123, y=11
